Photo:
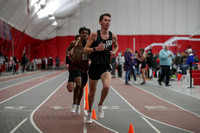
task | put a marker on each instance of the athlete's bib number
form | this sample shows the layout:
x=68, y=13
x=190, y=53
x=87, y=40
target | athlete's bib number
x=85, y=57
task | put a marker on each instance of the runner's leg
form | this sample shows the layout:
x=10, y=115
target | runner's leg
x=106, y=79
x=93, y=84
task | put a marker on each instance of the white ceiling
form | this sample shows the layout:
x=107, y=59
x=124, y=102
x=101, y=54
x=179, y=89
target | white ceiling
x=129, y=17
x=36, y=22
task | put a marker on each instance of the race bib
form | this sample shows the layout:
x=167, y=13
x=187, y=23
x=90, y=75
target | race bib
x=85, y=56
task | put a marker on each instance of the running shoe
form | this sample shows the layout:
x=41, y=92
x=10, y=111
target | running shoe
x=159, y=83
x=73, y=109
x=89, y=118
x=143, y=83
x=78, y=109
x=168, y=85
x=100, y=112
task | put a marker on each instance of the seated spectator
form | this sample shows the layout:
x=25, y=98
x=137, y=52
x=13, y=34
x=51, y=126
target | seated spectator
x=177, y=60
x=190, y=59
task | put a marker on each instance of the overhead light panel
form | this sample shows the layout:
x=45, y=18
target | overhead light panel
x=55, y=23
x=51, y=17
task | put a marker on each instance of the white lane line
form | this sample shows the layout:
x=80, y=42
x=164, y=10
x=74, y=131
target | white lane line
x=85, y=130
x=31, y=117
x=85, y=118
x=166, y=100
x=29, y=89
x=84, y=124
x=8, y=80
x=105, y=127
x=23, y=82
x=147, y=116
x=150, y=124
x=18, y=125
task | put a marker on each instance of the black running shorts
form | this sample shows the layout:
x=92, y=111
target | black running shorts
x=77, y=73
x=96, y=70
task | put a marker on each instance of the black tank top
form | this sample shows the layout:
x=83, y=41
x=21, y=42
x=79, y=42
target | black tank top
x=102, y=57
x=143, y=62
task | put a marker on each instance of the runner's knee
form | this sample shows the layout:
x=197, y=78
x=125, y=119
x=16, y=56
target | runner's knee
x=92, y=93
x=78, y=85
x=69, y=89
x=70, y=86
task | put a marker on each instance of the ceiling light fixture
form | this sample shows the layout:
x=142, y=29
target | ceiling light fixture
x=55, y=23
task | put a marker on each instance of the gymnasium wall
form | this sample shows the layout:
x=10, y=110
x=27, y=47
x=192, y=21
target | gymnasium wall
x=146, y=21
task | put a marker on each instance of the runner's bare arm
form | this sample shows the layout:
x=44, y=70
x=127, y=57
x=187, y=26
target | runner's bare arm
x=87, y=48
x=71, y=45
x=115, y=44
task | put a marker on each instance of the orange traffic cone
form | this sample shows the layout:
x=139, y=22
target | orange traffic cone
x=94, y=116
x=131, y=129
x=86, y=98
x=86, y=104
x=179, y=76
x=86, y=89
x=154, y=74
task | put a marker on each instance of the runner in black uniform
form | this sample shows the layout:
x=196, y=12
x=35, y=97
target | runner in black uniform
x=100, y=60
x=100, y=46
x=78, y=67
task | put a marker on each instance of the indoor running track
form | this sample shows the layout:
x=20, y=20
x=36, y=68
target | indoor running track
x=39, y=102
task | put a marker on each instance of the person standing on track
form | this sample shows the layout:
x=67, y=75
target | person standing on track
x=100, y=46
x=78, y=67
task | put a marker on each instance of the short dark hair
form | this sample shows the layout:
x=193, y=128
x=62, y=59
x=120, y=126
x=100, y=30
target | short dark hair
x=88, y=31
x=84, y=28
x=105, y=14
x=142, y=50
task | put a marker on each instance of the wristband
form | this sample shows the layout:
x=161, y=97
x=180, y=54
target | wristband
x=94, y=49
x=67, y=60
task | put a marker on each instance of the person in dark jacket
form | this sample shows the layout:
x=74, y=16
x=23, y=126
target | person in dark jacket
x=127, y=65
x=149, y=59
x=24, y=62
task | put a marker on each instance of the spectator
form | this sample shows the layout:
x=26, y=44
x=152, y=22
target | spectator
x=137, y=64
x=128, y=65
x=57, y=60
x=189, y=50
x=50, y=63
x=183, y=58
x=177, y=60
x=134, y=62
x=24, y=62
x=119, y=64
x=165, y=56
x=1, y=62
x=155, y=64
x=43, y=63
x=142, y=59
x=149, y=59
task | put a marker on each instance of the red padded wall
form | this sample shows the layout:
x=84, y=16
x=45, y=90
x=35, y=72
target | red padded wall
x=57, y=46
